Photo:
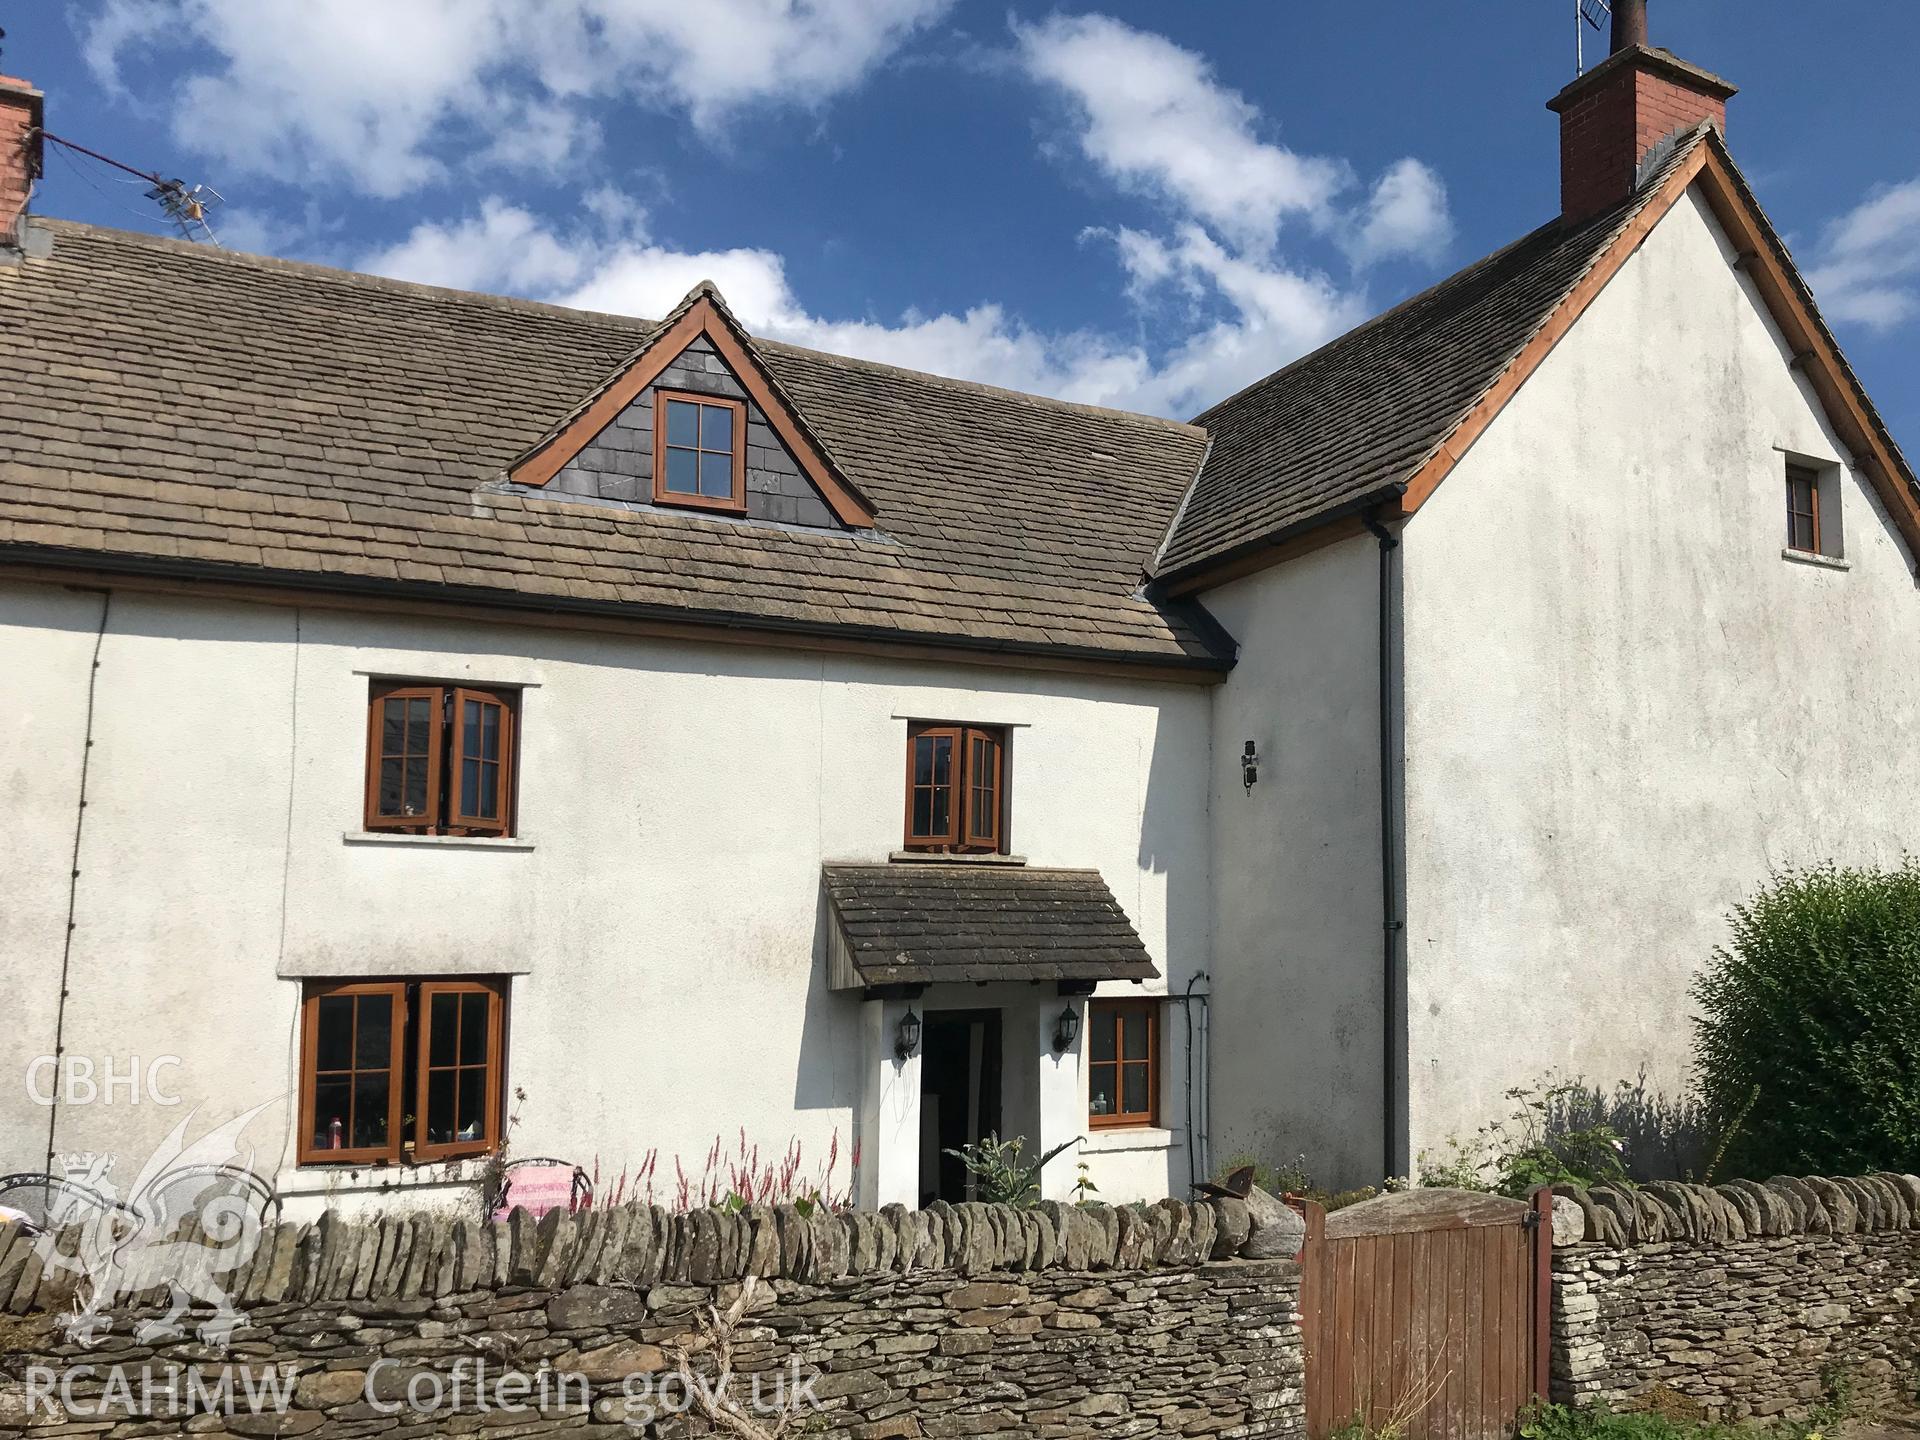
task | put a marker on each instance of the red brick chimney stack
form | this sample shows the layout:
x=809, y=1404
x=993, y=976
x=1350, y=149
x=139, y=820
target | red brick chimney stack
x=21, y=110
x=1612, y=116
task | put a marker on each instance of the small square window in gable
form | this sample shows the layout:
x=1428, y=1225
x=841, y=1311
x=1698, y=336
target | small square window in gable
x=1813, y=511
x=695, y=422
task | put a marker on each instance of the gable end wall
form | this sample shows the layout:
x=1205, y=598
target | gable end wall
x=1624, y=707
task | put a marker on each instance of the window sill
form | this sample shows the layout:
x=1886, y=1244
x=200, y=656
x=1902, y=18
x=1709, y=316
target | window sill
x=1117, y=1139
x=1808, y=557
x=934, y=857
x=444, y=842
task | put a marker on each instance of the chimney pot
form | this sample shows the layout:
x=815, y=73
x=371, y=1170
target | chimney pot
x=21, y=113
x=1629, y=24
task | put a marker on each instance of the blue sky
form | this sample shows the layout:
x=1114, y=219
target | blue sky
x=1141, y=204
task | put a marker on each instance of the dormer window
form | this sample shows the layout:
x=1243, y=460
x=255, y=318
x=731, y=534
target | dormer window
x=699, y=451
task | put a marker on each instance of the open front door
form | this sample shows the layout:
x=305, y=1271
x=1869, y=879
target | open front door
x=960, y=1094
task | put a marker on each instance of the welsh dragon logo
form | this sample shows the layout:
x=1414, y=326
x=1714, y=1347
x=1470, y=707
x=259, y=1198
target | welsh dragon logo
x=192, y=1217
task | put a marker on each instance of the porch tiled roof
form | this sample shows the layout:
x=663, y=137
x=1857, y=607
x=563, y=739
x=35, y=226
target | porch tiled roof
x=924, y=923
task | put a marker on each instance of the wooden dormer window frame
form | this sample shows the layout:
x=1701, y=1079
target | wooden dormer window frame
x=667, y=450
x=956, y=788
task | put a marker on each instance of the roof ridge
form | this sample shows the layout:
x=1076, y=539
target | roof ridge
x=645, y=329
x=219, y=254
x=979, y=387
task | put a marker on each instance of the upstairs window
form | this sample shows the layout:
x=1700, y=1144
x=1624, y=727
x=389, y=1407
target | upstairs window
x=699, y=451
x=392, y=1070
x=440, y=759
x=1813, y=510
x=956, y=789
x=1803, y=509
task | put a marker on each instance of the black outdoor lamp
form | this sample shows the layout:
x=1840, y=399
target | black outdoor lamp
x=1066, y=1030
x=907, y=1040
x=1249, y=767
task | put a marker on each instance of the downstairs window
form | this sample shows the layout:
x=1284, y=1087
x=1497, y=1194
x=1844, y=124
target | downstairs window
x=394, y=1070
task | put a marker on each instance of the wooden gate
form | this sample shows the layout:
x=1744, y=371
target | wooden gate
x=1425, y=1314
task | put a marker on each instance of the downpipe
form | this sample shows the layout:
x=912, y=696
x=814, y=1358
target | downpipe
x=1392, y=998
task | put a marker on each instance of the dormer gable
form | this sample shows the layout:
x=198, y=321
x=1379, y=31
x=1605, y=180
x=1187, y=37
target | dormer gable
x=694, y=420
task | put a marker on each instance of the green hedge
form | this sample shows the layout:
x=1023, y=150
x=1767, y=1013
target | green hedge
x=1811, y=1025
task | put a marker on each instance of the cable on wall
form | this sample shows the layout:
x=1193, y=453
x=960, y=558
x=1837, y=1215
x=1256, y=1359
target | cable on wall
x=73, y=878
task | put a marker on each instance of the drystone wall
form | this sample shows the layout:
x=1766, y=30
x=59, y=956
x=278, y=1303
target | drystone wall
x=1741, y=1300
x=967, y=1320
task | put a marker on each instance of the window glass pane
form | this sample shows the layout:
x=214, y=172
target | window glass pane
x=1134, y=1041
x=331, y=1099
x=419, y=725
x=1102, y=1037
x=943, y=759
x=1100, y=1096
x=414, y=800
x=471, y=794
x=682, y=473
x=373, y=1044
x=490, y=732
x=440, y=1106
x=923, y=812
x=942, y=812
x=333, y=1033
x=393, y=726
x=443, y=1028
x=1133, y=1097
x=716, y=475
x=470, y=726
x=923, y=761
x=683, y=421
x=473, y=1029
x=488, y=808
x=473, y=1103
x=716, y=428
x=369, y=1110
x=391, y=772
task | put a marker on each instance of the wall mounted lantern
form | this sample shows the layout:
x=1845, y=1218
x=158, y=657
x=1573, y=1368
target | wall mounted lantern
x=907, y=1039
x=1066, y=1030
x=1249, y=767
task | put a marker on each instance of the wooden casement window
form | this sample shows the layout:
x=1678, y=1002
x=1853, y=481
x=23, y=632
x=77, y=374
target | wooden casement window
x=394, y=1070
x=699, y=451
x=1123, y=1063
x=1803, y=509
x=440, y=759
x=956, y=789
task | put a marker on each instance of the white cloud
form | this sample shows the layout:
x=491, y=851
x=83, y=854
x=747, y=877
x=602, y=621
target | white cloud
x=1868, y=264
x=1154, y=119
x=342, y=91
x=1405, y=215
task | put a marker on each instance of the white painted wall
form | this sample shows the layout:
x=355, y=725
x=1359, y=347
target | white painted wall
x=664, y=924
x=1624, y=707
x=1297, y=1028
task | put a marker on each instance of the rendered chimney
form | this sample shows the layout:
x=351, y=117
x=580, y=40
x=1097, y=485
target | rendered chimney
x=1613, y=116
x=21, y=108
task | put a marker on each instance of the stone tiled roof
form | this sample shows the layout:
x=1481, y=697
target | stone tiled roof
x=925, y=923
x=1346, y=426
x=169, y=406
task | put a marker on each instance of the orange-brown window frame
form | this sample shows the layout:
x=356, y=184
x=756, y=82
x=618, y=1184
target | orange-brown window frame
x=972, y=802
x=491, y=1089
x=1808, y=476
x=445, y=754
x=407, y=1084
x=734, y=504
x=1113, y=1013
x=396, y=993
